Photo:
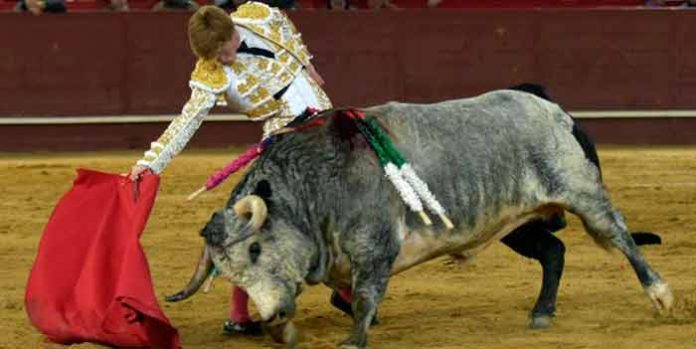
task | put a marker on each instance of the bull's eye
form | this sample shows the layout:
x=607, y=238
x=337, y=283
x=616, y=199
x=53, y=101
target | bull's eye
x=254, y=251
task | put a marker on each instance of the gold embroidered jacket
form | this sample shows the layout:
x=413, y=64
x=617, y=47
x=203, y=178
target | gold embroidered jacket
x=248, y=86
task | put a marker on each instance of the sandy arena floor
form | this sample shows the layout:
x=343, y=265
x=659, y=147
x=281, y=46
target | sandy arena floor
x=483, y=304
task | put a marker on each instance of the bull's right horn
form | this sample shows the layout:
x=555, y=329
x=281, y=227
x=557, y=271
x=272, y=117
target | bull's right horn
x=252, y=208
x=205, y=266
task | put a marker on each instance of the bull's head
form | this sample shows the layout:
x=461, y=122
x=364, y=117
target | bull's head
x=266, y=255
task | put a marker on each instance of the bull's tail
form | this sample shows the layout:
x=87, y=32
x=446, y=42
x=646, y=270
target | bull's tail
x=587, y=145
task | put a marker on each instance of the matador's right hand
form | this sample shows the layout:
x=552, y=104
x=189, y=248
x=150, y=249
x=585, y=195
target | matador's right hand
x=137, y=171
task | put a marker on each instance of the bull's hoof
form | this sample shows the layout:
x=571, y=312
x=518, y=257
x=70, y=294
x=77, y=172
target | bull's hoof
x=284, y=333
x=346, y=308
x=351, y=346
x=661, y=296
x=251, y=328
x=539, y=322
x=354, y=343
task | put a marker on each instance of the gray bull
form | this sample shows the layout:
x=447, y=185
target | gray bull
x=316, y=207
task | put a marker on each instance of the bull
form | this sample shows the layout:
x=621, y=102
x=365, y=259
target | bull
x=316, y=207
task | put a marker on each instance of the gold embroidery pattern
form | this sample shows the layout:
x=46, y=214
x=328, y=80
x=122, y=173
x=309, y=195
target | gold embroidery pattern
x=263, y=64
x=324, y=101
x=198, y=99
x=256, y=29
x=180, y=130
x=287, y=20
x=260, y=95
x=284, y=57
x=275, y=31
x=266, y=110
x=210, y=73
x=266, y=73
x=276, y=123
x=253, y=11
x=295, y=67
x=291, y=39
x=259, y=77
x=275, y=68
x=248, y=85
x=285, y=78
x=237, y=68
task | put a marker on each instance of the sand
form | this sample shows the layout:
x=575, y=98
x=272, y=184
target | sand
x=481, y=304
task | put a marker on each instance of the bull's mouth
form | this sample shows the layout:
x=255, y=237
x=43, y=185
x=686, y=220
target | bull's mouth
x=277, y=319
x=283, y=314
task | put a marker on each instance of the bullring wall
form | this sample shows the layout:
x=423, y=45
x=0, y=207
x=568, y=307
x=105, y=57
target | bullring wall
x=104, y=64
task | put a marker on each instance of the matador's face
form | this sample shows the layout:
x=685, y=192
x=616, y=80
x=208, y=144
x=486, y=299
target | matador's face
x=228, y=52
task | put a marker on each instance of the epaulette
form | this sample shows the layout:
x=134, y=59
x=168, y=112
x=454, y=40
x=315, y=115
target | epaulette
x=252, y=13
x=209, y=75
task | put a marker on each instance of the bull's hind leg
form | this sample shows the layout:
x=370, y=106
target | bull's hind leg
x=535, y=240
x=607, y=227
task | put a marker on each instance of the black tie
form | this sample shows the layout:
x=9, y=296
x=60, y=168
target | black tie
x=243, y=48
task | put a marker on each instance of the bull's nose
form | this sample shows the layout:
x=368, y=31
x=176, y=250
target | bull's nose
x=272, y=319
x=278, y=318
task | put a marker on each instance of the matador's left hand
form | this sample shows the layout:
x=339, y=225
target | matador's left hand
x=314, y=75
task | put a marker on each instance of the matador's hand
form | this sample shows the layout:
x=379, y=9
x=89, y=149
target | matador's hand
x=137, y=171
x=314, y=75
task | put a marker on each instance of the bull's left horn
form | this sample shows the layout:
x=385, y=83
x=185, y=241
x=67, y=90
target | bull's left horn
x=252, y=208
x=205, y=266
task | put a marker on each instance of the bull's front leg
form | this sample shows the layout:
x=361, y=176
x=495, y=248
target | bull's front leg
x=368, y=291
x=371, y=270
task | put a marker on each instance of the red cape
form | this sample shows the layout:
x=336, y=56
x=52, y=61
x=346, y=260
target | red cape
x=90, y=281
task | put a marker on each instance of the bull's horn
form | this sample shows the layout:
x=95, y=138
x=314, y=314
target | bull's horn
x=205, y=266
x=252, y=208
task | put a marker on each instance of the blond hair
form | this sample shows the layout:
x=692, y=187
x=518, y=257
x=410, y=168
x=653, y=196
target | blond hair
x=208, y=29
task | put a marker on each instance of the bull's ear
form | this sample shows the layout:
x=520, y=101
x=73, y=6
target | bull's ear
x=263, y=189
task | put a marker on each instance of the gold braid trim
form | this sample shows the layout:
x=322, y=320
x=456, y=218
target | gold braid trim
x=324, y=101
x=276, y=123
x=268, y=109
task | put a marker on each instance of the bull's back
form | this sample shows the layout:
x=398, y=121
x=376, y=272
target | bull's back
x=483, y=156
x=486, y=117
x=490, y=160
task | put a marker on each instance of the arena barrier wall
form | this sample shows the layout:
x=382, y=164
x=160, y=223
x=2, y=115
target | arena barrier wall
x=103, y=65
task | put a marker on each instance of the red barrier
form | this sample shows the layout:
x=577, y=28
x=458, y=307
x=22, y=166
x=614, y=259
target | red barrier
x=499, y=4
x=139, y=63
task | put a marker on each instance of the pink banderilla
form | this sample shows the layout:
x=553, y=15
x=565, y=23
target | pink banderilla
x=252, y=153
x=237, y=164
